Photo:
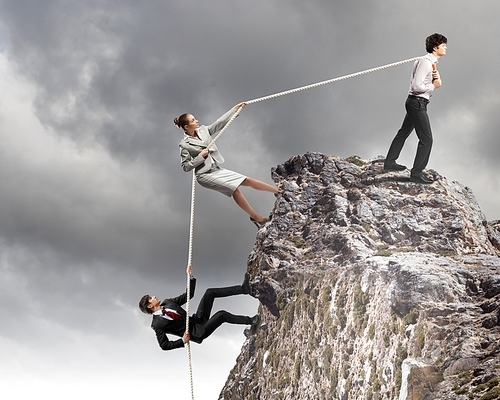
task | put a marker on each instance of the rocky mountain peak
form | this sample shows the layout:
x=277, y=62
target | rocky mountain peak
x=372, y=287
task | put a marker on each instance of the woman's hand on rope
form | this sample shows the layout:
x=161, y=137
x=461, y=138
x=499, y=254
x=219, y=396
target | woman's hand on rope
x=240, y=105
x=204, y=153
x=189, y=270
x=186, y=337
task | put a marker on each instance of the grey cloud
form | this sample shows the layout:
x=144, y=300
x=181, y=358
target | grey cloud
x=95, y=206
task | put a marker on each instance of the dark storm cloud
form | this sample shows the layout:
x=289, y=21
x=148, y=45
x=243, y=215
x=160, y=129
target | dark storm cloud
x=95, y=206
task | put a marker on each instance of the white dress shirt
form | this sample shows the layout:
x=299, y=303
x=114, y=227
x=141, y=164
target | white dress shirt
x=421, y=77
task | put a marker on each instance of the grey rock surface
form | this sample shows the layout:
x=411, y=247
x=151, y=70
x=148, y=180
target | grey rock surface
x=372, y=287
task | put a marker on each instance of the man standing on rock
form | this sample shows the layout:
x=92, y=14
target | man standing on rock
x=170, y=317
x=424, y=79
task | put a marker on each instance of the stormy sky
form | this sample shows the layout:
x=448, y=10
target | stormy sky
x=94, y=207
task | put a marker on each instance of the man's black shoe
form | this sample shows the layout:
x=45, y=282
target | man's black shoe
x=245, y=286
x=255, y=324
x=420, y=178
x=394, y=167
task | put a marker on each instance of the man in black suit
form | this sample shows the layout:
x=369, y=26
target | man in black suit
x=170, y=317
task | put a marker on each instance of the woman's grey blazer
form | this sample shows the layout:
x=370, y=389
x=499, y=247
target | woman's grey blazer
x=191, y=147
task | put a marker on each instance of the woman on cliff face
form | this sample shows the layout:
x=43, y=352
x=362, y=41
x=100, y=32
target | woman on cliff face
x=196, y=155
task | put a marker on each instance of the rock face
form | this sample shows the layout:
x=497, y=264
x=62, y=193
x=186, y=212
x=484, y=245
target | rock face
x=372, y=287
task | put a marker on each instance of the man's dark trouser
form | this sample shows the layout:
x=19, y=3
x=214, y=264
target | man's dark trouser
x=416, y=117
x=205, y=308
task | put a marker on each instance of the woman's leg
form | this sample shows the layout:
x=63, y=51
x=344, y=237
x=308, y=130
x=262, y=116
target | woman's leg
x=243, y=203
x=259, y=185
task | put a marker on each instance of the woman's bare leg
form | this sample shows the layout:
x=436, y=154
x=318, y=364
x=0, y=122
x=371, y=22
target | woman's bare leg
x=245, y=206
x=259, y=185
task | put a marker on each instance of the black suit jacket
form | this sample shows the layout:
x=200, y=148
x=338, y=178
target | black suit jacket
x=163, y=326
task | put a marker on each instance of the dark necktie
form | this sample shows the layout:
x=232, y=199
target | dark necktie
x=171, y=314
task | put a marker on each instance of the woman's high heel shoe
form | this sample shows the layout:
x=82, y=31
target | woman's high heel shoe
x=259, y=224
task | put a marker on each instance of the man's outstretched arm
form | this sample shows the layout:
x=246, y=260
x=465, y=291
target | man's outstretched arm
x=182, y=299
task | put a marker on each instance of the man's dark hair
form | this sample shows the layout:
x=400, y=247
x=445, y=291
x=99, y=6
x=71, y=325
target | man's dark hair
x=144, y=303
x=434, y=40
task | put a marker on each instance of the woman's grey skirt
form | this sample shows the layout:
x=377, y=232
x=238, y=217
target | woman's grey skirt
x=222, y=180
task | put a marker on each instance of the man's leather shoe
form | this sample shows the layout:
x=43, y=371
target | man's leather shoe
x=393, y=166
x=245, y=286
x=255, y=324
x=420, y=178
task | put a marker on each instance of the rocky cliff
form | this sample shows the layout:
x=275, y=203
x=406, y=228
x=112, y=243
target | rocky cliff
x=371, y=287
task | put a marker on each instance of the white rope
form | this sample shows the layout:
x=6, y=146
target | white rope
x=188, y=290
x=299, y=89
x=272, y=96
x=225, y=127
x=367, y=71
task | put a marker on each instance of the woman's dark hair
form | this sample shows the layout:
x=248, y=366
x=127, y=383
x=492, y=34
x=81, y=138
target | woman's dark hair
x=434, y=40
x=144, y=303
x=182, y=121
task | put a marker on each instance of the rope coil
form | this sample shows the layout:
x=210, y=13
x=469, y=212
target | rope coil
x=272, y=96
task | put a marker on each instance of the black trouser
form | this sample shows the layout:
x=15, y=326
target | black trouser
x=205, y=308
x=416, y=117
